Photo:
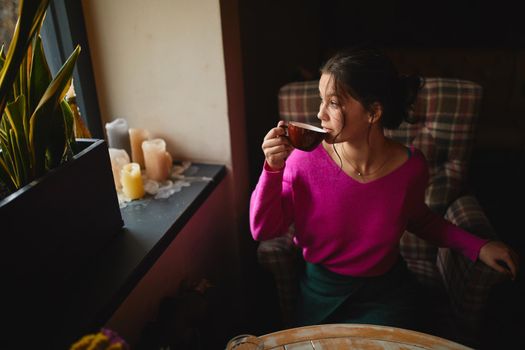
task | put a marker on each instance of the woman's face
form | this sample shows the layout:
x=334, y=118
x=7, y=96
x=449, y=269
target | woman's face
x=344, y=119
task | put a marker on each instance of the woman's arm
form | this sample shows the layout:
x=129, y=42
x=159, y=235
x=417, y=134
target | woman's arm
x=432, y=227
x=271, y=201
x=429, y=225
x=271, y=205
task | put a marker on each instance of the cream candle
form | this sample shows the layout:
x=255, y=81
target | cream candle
x=119, y=158
x=118, y=135
x=136, y=137
x=157, y=160
x=131, y=180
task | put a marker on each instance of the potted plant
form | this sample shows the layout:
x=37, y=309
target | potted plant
x=61, y=205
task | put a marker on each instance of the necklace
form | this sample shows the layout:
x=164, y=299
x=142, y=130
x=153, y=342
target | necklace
x=362, y=174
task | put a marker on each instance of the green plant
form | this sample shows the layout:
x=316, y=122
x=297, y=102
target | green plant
x=36, y=125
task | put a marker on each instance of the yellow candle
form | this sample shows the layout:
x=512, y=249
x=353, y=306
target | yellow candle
x=136, y=137
x=157, y=160
x=131, y=180
x=119, y=158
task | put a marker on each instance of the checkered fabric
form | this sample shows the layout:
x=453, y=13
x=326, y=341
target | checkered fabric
x=446, y=112
x=299, y=102
x=284, y=260
x=468, y=283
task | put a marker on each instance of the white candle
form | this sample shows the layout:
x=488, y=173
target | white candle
x=119, y=158
x=136, y=137
x=131, y=179
x=118, y=135
x=157, y=160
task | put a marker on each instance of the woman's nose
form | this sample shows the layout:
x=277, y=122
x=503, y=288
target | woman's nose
x=321, y=115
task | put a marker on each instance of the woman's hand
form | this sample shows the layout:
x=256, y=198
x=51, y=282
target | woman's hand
x=500, y=257
x=276, y=147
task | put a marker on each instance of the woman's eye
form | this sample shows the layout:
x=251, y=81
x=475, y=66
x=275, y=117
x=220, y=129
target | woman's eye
x=334, y=103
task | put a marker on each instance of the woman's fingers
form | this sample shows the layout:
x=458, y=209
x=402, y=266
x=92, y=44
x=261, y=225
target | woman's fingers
x=275, y=156
x=499, y=267
x=509, y=258
x=500, y=257
x=275, y=133
x=513, y=263
x=516, y=258
x=276, y=147
x=276, y=144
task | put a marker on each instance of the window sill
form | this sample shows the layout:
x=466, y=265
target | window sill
x=150, y=225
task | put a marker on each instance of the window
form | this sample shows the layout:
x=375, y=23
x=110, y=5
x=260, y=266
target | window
x=63, y=29
x=8, y=16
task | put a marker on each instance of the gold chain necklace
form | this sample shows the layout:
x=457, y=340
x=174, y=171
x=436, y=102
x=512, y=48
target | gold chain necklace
x=360, y=173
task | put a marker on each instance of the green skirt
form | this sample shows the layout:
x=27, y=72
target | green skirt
x=393, y=299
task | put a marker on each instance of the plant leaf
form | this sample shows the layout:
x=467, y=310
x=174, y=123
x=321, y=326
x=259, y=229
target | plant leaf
x=2, y=57
x=69, y=122
x=40, y=75
x=56, y=139
x=5, y=175
x=41, y=118
x=15, y=113
x=7, y=156
x=3, y=130
x=29, y=22
x=15, y=158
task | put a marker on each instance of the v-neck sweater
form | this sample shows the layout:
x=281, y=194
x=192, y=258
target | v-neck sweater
x=349, y=227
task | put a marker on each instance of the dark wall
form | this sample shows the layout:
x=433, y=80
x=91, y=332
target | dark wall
x=277, y=37
x=480, y=42
x=462, y=24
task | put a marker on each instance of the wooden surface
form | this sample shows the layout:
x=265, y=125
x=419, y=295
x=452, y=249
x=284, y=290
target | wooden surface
x=355, y=337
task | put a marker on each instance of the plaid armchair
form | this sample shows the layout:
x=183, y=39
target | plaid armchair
x=446, y=110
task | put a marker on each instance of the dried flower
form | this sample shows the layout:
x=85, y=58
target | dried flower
x=106, y=339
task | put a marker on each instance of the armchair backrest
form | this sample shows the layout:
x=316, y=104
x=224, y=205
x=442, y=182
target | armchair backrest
x=446, y=111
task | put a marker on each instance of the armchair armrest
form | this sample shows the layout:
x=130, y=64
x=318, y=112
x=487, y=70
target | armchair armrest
x=283, y=259
x=468, y=283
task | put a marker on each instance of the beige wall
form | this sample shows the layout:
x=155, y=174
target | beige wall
x=159, y=64
x=172, y=67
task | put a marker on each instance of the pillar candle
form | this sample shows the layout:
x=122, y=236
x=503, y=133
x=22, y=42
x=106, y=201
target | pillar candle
x=119, y=158
x=131, y=179
x=136, y=137
x=118, y=135
x=157, y=160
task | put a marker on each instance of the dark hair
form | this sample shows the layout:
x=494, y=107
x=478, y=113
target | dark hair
x=368, y=75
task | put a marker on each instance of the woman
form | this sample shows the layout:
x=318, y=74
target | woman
x=352, y=198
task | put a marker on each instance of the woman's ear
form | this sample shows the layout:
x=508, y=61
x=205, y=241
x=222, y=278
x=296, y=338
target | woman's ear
x=376, y=111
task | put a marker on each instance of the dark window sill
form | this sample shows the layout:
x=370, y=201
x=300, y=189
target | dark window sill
x=150, y=225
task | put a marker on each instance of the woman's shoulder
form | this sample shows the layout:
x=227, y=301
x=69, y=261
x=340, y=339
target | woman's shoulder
x=409, y=158
x=417, y=161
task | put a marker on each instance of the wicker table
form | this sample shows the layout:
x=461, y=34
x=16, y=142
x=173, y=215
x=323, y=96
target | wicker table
x=354, y=336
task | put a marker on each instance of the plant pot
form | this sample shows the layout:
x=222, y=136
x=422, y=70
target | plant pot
x=55, y=225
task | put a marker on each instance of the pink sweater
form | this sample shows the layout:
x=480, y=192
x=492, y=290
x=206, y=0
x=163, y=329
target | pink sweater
x=349, y=227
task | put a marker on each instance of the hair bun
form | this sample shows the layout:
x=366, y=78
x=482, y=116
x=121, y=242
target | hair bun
x=409, y=86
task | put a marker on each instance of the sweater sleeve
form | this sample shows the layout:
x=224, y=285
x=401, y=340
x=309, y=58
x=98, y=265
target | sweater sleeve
x=271, y=205
x=434, y=228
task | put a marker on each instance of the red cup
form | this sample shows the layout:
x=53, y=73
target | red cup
x=304, y=136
